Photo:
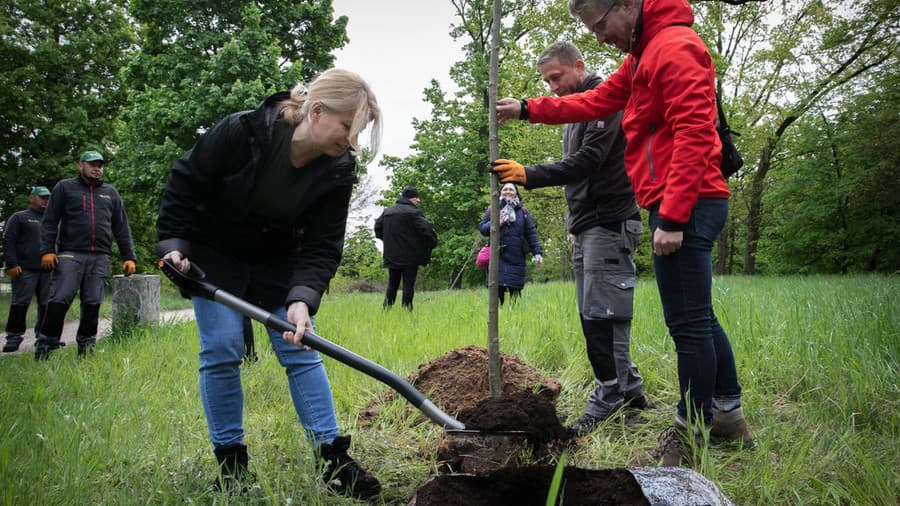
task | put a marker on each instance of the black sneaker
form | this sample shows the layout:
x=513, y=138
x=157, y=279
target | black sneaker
x=638, y=403
x=342, y=474
x=11, y=347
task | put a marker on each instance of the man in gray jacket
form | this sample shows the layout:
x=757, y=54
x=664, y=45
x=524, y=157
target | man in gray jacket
x=605, y=220
x=22, y=256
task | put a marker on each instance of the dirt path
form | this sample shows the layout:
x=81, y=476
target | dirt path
x=68, y=333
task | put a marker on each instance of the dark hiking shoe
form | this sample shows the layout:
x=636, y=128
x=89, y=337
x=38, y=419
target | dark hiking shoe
x=730, y=427
x=85, y=350
x=637, y=403
x=586, y=424
x=676, y=448
x=342, y=474
x=11, y=346
x=234, y=478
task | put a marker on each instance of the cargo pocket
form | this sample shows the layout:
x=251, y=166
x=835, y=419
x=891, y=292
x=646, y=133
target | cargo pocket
x=611, y=297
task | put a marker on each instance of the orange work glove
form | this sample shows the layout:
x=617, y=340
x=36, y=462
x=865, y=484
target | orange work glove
x=49, y=261
x=509, y=171
x=14, y=272
x=128, y=267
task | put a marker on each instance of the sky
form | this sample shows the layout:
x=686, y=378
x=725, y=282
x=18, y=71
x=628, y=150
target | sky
x=398, y=46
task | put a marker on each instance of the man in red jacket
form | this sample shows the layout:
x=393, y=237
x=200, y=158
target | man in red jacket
x=666, y=90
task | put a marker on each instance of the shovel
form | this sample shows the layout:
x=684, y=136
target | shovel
x=193, y=284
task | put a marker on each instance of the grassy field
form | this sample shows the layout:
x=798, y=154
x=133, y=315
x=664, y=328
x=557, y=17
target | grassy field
x=817, y=357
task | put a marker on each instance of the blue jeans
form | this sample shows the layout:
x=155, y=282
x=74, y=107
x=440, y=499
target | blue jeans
x=684, y=278
x=221, y=350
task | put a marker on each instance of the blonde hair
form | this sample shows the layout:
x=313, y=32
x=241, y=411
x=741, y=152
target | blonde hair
x=339, y=91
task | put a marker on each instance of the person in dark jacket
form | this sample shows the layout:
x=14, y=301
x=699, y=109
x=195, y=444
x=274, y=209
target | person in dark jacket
x=22, y=257
x=518, y=235
x=260, y=204
x=606, y=223
x=666, y=89
x=83, y=217
x=408, y=240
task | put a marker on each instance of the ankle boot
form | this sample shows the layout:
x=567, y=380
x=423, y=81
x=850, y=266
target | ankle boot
x=730, y=427
x=342, y=474
x=234, y=477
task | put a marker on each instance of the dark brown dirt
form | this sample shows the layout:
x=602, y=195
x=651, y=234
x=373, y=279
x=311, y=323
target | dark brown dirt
x=526, y=486
x=458, y=380
x=520, y=411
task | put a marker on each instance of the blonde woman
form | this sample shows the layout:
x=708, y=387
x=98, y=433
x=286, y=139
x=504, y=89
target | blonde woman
x=260, y=203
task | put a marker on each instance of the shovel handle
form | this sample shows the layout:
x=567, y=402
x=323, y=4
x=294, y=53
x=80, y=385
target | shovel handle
x=195, y=285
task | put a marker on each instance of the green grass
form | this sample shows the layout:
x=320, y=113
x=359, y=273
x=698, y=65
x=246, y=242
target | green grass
x=817, y=358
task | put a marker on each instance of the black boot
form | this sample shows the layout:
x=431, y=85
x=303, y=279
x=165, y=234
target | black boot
x=234, y=477
x=51, y=329
x=342, y=474
x=15, y=327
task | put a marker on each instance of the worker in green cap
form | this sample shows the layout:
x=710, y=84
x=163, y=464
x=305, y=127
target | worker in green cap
x=84, y=216
x=22, y=257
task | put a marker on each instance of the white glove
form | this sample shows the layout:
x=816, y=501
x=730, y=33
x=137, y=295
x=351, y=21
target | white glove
x=538, y=260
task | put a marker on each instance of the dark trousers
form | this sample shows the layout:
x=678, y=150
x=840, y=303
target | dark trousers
x=705, y=359
x=408, y=275
x=514, y=293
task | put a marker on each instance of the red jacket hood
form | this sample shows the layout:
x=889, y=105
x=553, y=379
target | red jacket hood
x=659, y=14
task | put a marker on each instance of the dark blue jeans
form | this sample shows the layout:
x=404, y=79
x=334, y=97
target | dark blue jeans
x=684, y=278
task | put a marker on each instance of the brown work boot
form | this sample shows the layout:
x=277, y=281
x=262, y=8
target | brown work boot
x=730, y=427
x=677, y=446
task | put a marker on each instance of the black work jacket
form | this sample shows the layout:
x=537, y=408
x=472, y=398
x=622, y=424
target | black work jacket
x=598, y=191
x=205, y=213
x=85, y=217
x=22, y=240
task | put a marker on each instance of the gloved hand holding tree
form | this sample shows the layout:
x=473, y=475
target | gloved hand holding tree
x=509, y=171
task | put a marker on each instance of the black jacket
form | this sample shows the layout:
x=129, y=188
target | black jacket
x=22, y=240
x=408, y=237
x=598, y=191
x=84, y=217
x=206, y=213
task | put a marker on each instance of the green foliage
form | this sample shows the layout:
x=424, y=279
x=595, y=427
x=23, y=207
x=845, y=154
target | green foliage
x=817, y=359
x=836, y=210
x=362, y=260
x=59, y=89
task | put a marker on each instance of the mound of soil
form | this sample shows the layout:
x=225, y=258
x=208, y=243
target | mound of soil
x=526, y=486
x=458, y=380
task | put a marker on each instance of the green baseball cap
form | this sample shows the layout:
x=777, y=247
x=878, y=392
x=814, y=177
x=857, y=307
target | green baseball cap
x=40, y=191
x=91, y=156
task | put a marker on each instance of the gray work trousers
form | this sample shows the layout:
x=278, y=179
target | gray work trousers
x=605, y=279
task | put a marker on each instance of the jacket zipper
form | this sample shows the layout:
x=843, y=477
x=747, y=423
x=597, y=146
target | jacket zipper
x=650, y=153
x=93, y=224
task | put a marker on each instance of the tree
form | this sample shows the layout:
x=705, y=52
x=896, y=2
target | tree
x=60, y=89
x=200, y=61
x=837, y=209
x=780, y=62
